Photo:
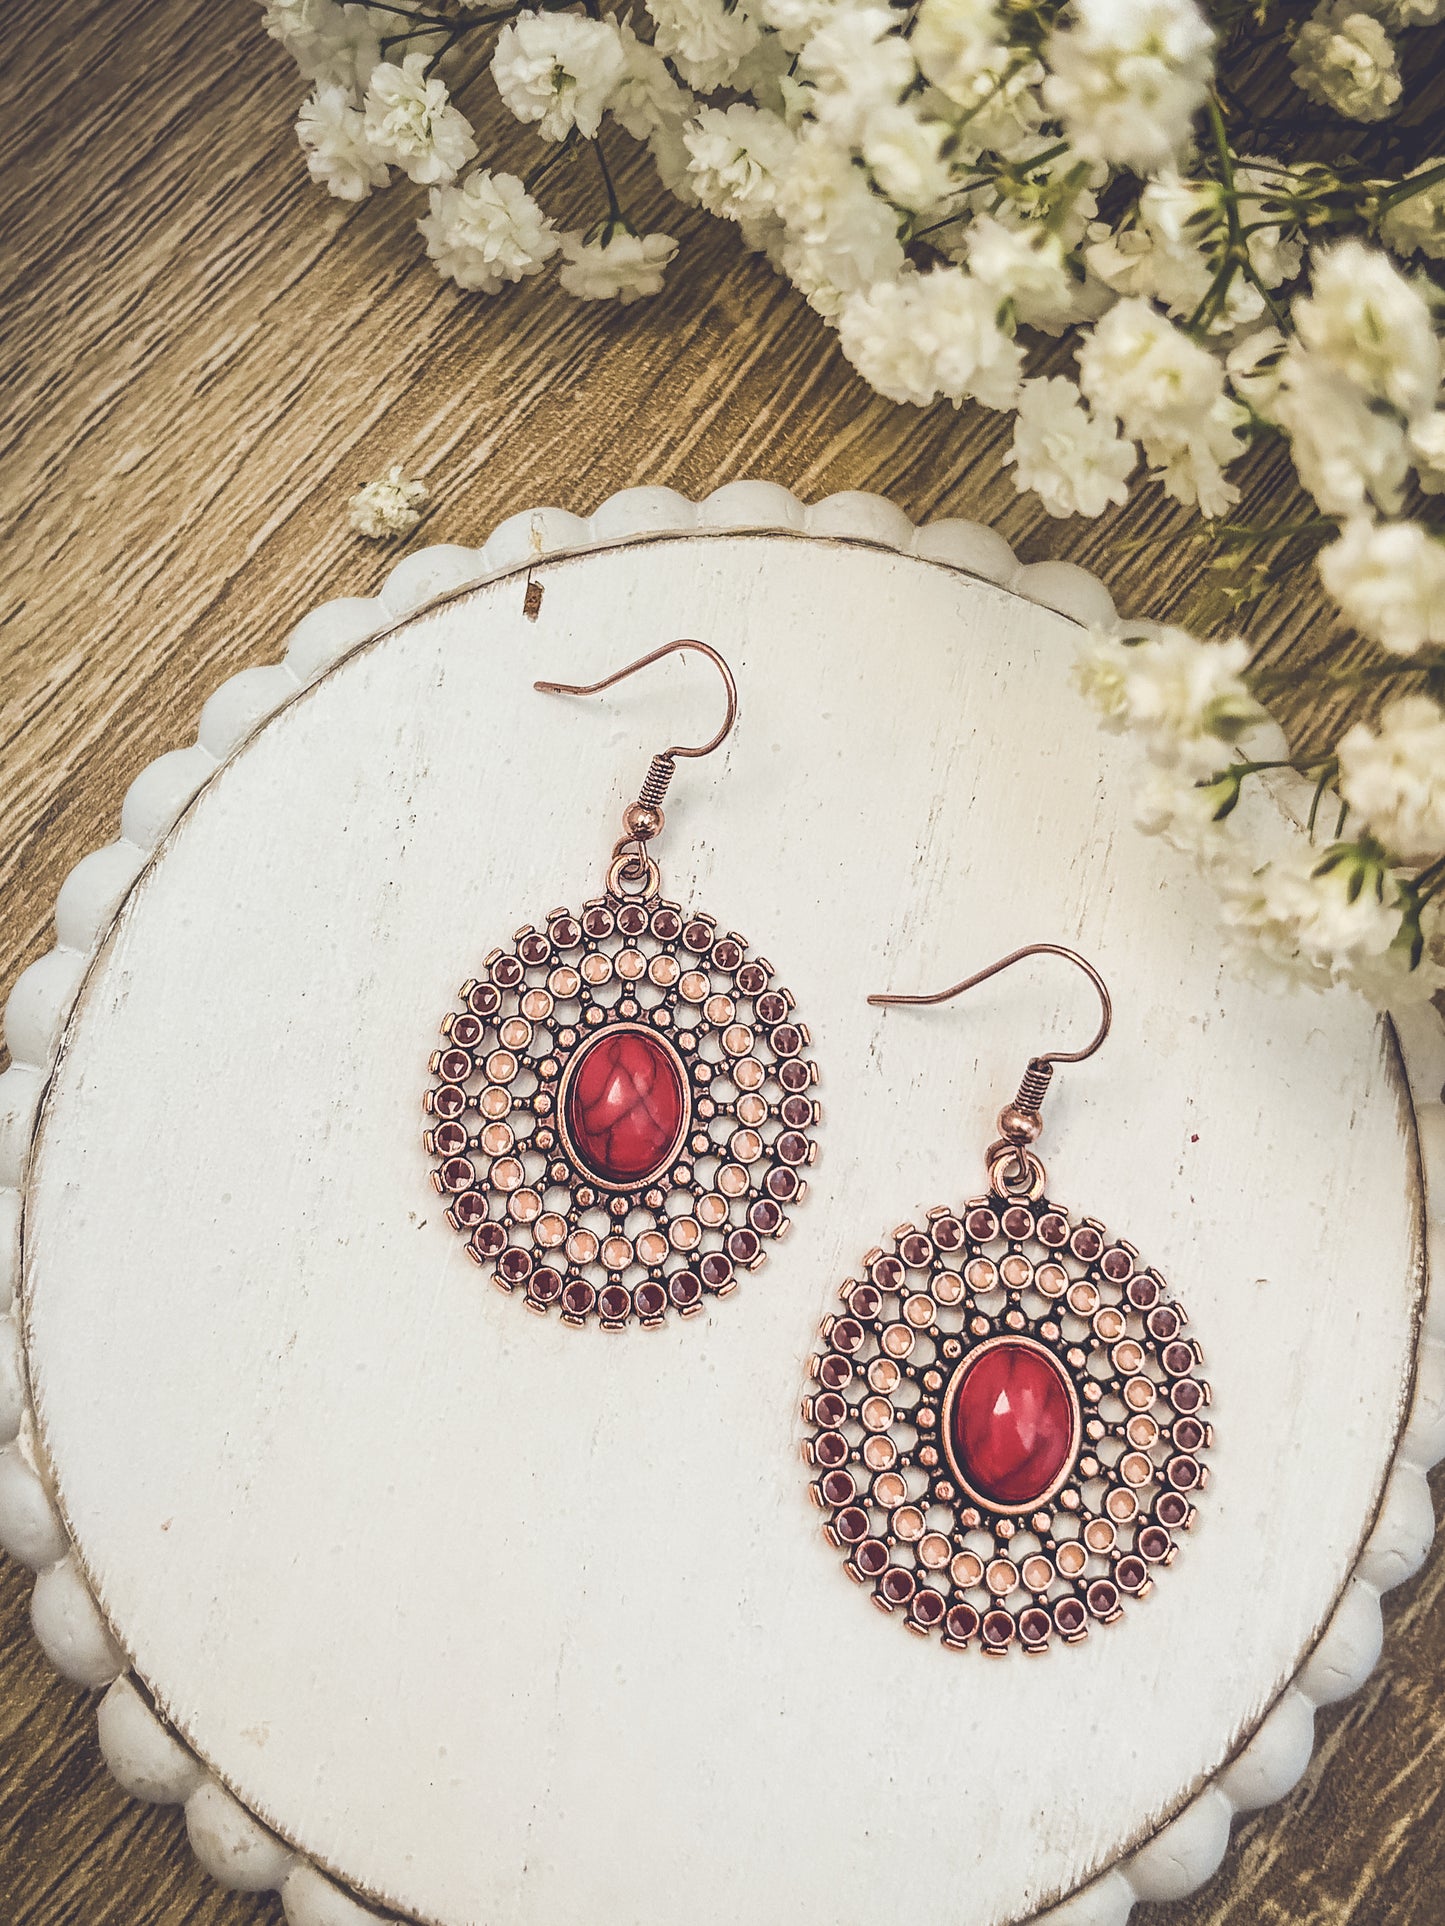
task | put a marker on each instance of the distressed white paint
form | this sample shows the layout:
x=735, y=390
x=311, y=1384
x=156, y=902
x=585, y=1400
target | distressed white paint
x=509, y=1623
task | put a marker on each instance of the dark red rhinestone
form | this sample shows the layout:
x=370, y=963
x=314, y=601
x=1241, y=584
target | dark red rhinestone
x=1154, y=1543
x=1017, y=1222
x=545, y=1285
x=650, y=1300
x=830, y=1448
x=597, y=922
x=1116, y=1264
x=1182, y=1473
x=870, y=1557
x=515, y=1264
x=772, y=1008
x=449, y=1100
x=483, y=1000
x=449, y=1139
x=847, y=1334
x=1178, y=1358
x=578, y=1298
x=716, y=1269
x=632, y=919
x=507, y=972
x=864, y=1300
x=1053, y=1229
x=465, y=1031
x=565, y=932
x=1163, y=1322
x=726, y=953
x=697, y=937
x=1035, y=1626
x=470, y=1208
x=947, y=1233
x=1186, y=1395
x=1103, y=1598
x=614, y=1302
x=829, y=1408
x=962, y=1623
x=887, y=1273
x=743, y=1246
x=792, y=1147
x=787, y=1039
x=838, y=1488
x=457, y=1173
x=982, y=1226
x=927, y=1606
x=851, y=1525
x=1069, y=1616
x=782, y=1183
x=1131, y=1574
x=488, y=1239
x=916, y=1249
x=534, y=949
x=456, y=1066
x=666, y=924
x=797, y=1112
x=1143, y=1291
x=684, y=1289
x=1171, y=1509
x=1188, y=1434
x=764, y=1216
x=1087, y=1244
x=897, y=1585
x=998, y=1629
x=752, y=979
x=834, y=1371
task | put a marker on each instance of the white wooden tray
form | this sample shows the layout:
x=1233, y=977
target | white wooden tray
x=453, y=1613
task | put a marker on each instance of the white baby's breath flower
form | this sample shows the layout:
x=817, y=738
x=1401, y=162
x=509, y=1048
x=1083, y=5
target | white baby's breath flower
x=841, y=235
x=932, y=334
x=795, y=21
x=616, y=266
x=960, y=46
x=1074, y=461
x=1253, y=366
x=487, y=232
x=1427, y=451
x=558, y=70
x=1293, y=920
x=332, y=45
x=411, y=123
x=1185, y=699
x=1025, y=267
x=1389, y=579
x=647, y=95
x=389, y=507
x=1364, y=319
x=1416, y=224
x=737, y=156
x=856, y=62
x=704, y=39
x=339, y=154
x=1188, y=813
x=1126, y=78
x=1344, y=59
x=903, y=149
x=1393, y=777
x=1346, y=451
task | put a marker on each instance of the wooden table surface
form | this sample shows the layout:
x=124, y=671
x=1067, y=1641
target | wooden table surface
x=202, y=358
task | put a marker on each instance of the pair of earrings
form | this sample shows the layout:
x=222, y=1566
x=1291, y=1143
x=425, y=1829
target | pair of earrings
x=1005, y=1418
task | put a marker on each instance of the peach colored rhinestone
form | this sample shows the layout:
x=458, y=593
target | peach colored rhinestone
x=664, y=971
x=1142, y=1432
x=582, y=1247
x=732, y=1180
x=1002, y=1577
x=685, y=1233
x=494, y=1102
x=752, y=1110
x=719, y=1010
x=879, y=1451
x=1139, y=1394
x=596, y=969
x=630, y=965
x=550, y=1230
x=919, y=1310
x=908, y=1523
x=948, y=1287
x=1098, y=1535
x=497, y=1139
x=883, y=1375
x=1136, y=1469
x=897, y=1340
x=693, y=986
x=933, y=1551
x=616, y=1253
x=737, y=1039
x=564, y=982
x=524, y=1206
x=516, y=1034
x=1127, y=1355
x=1109, y=1323
x=652, y=1247
x=1084, y=1299
x=981, y=1274
x=1071, y=1558
x=967, y=1569
x=1051, y=1279
x=746, y=1146
x=889, y=1489
x=1038, y=1573
x=877, y=1413
x=712, y=1210
x=1121, y=1506
x=537, y=1006
x=1016, y=1271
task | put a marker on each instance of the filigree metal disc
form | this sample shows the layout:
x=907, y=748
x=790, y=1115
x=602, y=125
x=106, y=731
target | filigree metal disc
x=709, y=1017
x=1066, y=1303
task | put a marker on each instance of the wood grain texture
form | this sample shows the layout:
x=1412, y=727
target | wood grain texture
x=201, y=359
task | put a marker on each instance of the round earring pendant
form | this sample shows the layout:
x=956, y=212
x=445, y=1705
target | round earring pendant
x=1007, y=1425
x=621, y=1115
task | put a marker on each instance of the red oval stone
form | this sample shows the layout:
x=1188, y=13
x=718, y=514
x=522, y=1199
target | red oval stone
x=1011, y=1424
x=625, y=1106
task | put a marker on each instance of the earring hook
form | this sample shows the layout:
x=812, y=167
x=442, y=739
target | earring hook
x=645, y=661
x=632, y=867
x=1051, y=1057
x=1013, y=1169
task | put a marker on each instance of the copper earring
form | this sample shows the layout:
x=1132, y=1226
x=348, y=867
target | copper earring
x=620, y=1118
x=1006, y=1417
